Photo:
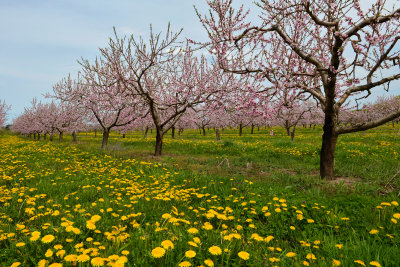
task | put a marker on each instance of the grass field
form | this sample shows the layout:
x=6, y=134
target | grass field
x=254, y=200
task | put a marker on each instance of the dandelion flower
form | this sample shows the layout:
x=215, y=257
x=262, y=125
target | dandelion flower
x=335, y=262
x=48, y=239
x=83, y=258
x=98, y=261
x=209, y=263
x=167, y=244
x=360, y=262
x=215, y=250
x=15, y=264
x=190, y=254
x=20, y=244
x=290, y=254
x=375, y=263
x=185, y=264
x=373, y=232
x=193, y=231
x=158, y=252
x=244, y=255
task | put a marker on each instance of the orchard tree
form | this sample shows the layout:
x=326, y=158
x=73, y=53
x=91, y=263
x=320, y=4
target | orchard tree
x=344, y=53
x=166, y=76
x=3, y=113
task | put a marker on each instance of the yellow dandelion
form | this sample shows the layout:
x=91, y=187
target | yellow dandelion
x=48, y=253
x=48, y=239
x=209, y=263
x=71, y=258
x=375, y=263
x=83, y=258
x=15, y=264
x=158, y=252
x=269, y=238
x=190, y=254
x=20, y=244
x=193, y=231
x=290, y=254
x=244, y=255
x=98, y=261
x=373, y=232
x=185, y=264
x=335, y=262
x=167, y=244
x=360, y=262
x=215, y=250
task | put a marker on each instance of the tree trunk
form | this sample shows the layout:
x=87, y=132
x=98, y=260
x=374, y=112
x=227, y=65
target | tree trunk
x=258, y=128
x=61, y=136
x=222, y=129
x=173, y=132
x=240, y=129
x=217, y=135
x=34, y=136
x=252, y=129
x=145, y=132
x=38, y=136
x=95, y=133
x=327, y=156
x=106, y=134
x=74, y=136
x=45, y=136
x=51, y=137
x=159, y=141
x=292, y=133
x=204, y=131
x=123, y=135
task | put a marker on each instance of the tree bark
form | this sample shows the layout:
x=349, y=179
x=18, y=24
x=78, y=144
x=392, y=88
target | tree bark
x=327, y=156
x=61, y=136
x=173, y=132
x=159, y=142
x=217, y=135
x=95, y=133
x=145, y=132
x=240, y=129
x=123, y=135
x=45, y=136
x=34, y=136
x=204, y=131
x=106, y=134
x=74, y=137
x=252, y=129
x=38, y=136
x=51, y=137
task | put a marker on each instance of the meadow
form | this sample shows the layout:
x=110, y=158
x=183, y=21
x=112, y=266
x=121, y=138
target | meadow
x=253, y=200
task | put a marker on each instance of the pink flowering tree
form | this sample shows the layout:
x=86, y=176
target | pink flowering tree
x=3, y=113
x=344, y=53
x=168, y=78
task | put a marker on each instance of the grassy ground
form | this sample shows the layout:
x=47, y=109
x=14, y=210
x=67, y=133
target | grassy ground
x=256, y=194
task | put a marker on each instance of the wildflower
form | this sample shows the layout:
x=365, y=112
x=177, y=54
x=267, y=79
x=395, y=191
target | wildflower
x=95, y=218
x=269, y=238
x=310, y=220
x=335, y=262
x=83, y=258
x=56, y=264
x=193, y=231
x=396, y=215
x=290, y=254
x=48, y=239
x=98, y=261
x=373, y=232
x=306, y=263
x=90, y=225
x=71, y=258
x=292, y=228
x=42, y=263
x=339, y=246
x=190, y=254
x=193, y=244
x=209, y=263
x=215, y=250
x=35, y=236
x=196, y=239
x=311, y=256
x=273, y=259
x=158, y=252
x=49, y=253
x=375, y=263
x=167, y=244
x=20, y=244
x=244, y=255
x=360, y=262
x=185, y=264
x=15, y=264
x=125, y=252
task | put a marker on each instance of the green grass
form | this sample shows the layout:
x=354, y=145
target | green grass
x=236, y=185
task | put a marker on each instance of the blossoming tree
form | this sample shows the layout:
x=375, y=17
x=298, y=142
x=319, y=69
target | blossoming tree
x=344, y=53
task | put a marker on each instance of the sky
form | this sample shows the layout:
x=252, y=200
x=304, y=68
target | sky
x=42, y=40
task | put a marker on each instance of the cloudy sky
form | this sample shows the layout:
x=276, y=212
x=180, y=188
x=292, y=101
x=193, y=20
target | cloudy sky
x=41, y=40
